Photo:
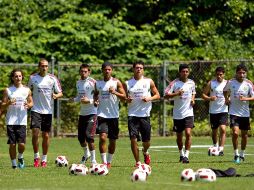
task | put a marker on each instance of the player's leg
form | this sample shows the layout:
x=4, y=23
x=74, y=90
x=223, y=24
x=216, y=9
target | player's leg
x=234, y=124
x=45, y=128
x=90, y=132
x=113, y=133
x=222, y=139
x=35, y=126
x=21, y=145
x=135, y=150
x=179, y=142
x=12, y=144
x=145, y=130
x=12, y=153
x=215, y=137
x=244, y=135
x=187, y=144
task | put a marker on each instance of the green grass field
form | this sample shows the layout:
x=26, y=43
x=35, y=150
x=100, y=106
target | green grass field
x=165, y=167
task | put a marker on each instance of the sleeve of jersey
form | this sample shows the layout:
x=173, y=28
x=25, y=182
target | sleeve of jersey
x=194, y=88
x=226, y=88
x=30, y=82
x=57, y=85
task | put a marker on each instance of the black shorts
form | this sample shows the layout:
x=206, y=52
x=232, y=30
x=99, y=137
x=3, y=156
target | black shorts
x=181, y=124
x=16, y=134
x=218, y=119
x=242, y=122
x=139, y=125
x=86, y=128
x=109, y=126
x=41, y=121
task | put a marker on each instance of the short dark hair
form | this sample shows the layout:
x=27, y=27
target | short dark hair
x=183, y=66
x=105, y=64
x=220, y=69
x=42, y=60
x=241, y=67
x=138, y=63
x=13, y=72
x=84, y=65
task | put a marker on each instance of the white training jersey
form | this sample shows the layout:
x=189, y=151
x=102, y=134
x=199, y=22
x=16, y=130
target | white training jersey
x=43, y=88
x=86, y=88
x=17, y=114
x=137, y=89
x=182, y=104
x=217, y=106
x=236, y=89
x=108, y=103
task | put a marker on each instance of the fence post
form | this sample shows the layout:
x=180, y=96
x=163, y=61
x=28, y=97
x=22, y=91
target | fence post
x=164, y=122
x=52, y=61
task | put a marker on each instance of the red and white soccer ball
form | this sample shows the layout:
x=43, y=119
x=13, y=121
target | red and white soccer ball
x=188, y=175
x=72, y=169
x=138, y=175
x=206, y=175
x=80, y=169
x=213, y=151
x=146, y=168
x=61, y=161
x=98, y=169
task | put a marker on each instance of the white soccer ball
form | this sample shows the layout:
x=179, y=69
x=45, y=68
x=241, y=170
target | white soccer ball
x=61, y=161
x=146, y=168
x=213, y=151
x=138, y=175
x=206, y=175
x=188, y=175
x=72, y=169
x=99, y=169
x=80, y=169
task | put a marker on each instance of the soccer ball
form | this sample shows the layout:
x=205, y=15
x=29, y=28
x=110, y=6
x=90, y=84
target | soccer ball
x=188, y=175
x=72, y=169
x=138, y=175
x=146, y=168
x=206, y=175
x=81, y=169
x=213, y=151
x=99, y=169
x=61, y=161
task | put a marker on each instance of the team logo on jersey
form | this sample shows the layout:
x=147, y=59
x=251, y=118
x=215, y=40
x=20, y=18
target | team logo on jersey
x=144, y=86
x=87, y=88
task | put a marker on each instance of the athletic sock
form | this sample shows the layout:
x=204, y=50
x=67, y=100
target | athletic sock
x=104, y=158
x=36, y=155
x=93, y=159
x=242, y=153
x=20, y=155
x=13, y=162
x=187, y=152
x=221, y=148
x=181, y=152
x=86, y=151
x=236, y=152
x=109, y=158
x=44, y=158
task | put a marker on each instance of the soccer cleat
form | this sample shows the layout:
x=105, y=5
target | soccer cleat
x=237, y=159
x=84, y=159
x=242, y=158
x=108, y=165
x=44, y=164
x=137, y=164
x=14, y=167
x=21, y=163
x=185, y=160
x=180, y=158
x=37, y=162
x=221, y=153
x=147, y=158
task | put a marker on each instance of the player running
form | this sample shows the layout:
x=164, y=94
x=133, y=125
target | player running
x=87, y=116
x=182, y=90
x=107, y=95
x=45, y=88
x=218, y=110
x=238, y=92
x=139, y=99
x=17, y=99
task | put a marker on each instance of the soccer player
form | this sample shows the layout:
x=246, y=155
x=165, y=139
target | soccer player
x=45, y=88
x=182, y=90
x=108, y=92
x=17, y=98
x=139, y=99
x=87, y=116
x=218, y=110
x=238, y=92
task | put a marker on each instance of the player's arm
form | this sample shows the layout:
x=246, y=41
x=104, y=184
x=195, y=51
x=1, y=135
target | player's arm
x=206, y=91
x=119, y=92
x=96, y=96
x=29, y=101
x=6, y=101
x=57, y=95
x=251, y=95
x=155, y=93
x=226, y=94
x=170, y=93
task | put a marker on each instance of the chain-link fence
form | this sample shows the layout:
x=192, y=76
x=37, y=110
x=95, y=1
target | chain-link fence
x=66, y=113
